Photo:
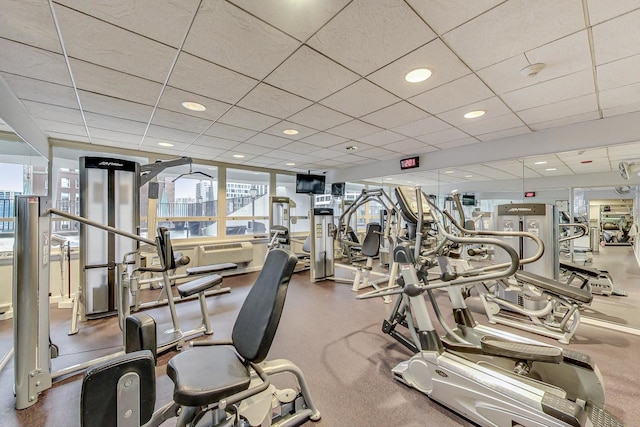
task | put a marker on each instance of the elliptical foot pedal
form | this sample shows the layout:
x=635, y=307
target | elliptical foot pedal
x=601, y=418
x=519, y=350
x=619, y=292
x=577, y=358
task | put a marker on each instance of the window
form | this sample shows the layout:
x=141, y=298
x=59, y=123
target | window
x=247, y=202
x=65, y=182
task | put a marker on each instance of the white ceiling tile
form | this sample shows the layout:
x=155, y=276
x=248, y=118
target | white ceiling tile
x=66, y=136
x=279, y=128
x=204, y=78
x=409, y=146
x=360, y=98
x=234, y=133
x=365, y=38
x=444, y=65
x=98, y=42
x=172, y=99
x=153, y=145
x=311, y=75
x=180, y=121
x=248, y=119
x=200, y=151
x=567, y=108
x=28, y=61
x=456, y=143
x=382, y=138
x=492, y=124
x=457, y=93
x=213, y=142
x=271, y=141
x=102, y=104
x=101, y=80
x=228, y=36
x=421, y=127
x=298, y=19
x=607, y=43
x=437, y=138
x=503, y=133
x=395, y=115
x=566, y=87
x=55, y=113
x=40, y=91
x=273, y=101
x=171, y=134
x=326, y=153
x=166, y=22
x=354, y=129
x=29, y=22
x=622, y=109
x=594, y=115
x=319, y=117
x=561, y=57
x=493, y=107
x=113, y=143
x=113, y=123
x=251, y=149
x=300, y=147
x=66, y=128
x=443, y=16
x=324, y=139
x=482, y=42
x=487, y=171
x=618, y=73
x=378, y=153
x=103, y=135
x=602, y=10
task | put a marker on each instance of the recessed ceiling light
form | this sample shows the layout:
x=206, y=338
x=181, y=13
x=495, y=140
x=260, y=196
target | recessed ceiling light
x=468, y=176
x=418, y=75
x=474, y=114
x=290, y=132
x=586, y=162
x=165, y=144
x=239, y=156
x=193, y=106
x=290, y=164
x=449, y=171
x=542, y=162
x=551, y=169
x=352, y=147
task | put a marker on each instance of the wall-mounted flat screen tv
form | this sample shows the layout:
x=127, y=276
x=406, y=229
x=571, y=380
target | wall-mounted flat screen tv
x=468, y=200
x=337, y=189
x=310, y=184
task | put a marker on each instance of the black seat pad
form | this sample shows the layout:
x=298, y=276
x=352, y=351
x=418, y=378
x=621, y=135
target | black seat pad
x=199, y=285
x=213, y=268
x=554, y=287
x=591, y=272
x=196, y=384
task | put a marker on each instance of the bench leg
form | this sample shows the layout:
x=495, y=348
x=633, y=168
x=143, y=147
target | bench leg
x=206, y=322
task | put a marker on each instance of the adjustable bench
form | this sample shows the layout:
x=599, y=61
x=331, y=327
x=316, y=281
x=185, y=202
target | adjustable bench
x=599, y=281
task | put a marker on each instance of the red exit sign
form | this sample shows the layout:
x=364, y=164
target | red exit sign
x=529, y=194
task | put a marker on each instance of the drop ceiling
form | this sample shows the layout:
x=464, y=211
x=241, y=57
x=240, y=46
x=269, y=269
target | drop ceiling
x=114, y=73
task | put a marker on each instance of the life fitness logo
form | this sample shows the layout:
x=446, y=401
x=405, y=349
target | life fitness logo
x=119, y=165
x=519, y=210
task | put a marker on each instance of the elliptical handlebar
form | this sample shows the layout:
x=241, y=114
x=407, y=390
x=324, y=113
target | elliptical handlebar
x=581, y=228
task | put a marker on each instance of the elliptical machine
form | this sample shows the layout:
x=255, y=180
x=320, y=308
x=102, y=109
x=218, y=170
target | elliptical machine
x=492, y=380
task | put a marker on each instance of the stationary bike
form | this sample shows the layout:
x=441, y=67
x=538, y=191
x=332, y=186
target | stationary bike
x=492, y=380
x=216, y=384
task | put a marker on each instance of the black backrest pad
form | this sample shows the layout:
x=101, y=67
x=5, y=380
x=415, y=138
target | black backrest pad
x=165, y=249
x=259, y=316
x=99, y=399
x=371, y=242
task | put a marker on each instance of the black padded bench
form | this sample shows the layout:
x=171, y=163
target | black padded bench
x=211, y=269
x=555, y=288
x=575, y=268
x=199, y=285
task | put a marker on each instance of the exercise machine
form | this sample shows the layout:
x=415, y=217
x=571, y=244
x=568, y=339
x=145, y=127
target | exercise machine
x=489, y=379
x=215, y=384
x=32, y=345
x=322, y=253
x=598, y=281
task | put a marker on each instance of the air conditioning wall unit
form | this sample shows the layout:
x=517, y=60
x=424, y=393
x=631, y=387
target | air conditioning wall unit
x=240, y=252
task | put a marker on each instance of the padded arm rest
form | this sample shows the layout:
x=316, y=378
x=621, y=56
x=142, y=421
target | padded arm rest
x=199, y=285
x=213, y=268
x=554, y=287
